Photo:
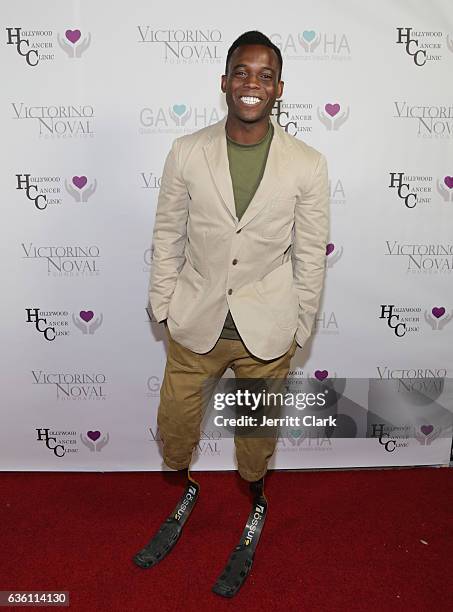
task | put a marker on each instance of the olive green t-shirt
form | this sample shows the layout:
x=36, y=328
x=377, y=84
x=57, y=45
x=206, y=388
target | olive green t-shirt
x=247, y=163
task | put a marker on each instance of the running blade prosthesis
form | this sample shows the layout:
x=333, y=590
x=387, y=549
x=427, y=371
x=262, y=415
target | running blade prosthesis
x=167, y=536
x=241, y=559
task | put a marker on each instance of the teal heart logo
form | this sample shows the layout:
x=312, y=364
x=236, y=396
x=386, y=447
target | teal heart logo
x=179, y=109
x=296, y=433
x=309, y=35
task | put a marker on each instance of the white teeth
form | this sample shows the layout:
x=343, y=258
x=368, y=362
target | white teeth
x=250, y=99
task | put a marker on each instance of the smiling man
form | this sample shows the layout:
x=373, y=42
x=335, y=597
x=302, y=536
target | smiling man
x=239, y=254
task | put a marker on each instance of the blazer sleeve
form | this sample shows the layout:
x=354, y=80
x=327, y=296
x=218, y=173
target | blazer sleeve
x=169, y=235
x=311, y=231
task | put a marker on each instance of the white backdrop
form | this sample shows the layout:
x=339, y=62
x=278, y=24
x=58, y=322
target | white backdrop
x=93, y=94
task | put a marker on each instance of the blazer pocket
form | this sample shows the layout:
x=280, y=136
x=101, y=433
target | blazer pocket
x=278, y=218
x=277, y=291
x=187, y=293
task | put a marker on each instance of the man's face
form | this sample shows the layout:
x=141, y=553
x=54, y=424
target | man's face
x=252, y=84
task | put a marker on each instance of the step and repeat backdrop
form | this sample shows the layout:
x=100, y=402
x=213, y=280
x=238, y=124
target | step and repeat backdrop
x=93, y=95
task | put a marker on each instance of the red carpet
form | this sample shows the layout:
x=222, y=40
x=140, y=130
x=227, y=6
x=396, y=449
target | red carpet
x=333, y=541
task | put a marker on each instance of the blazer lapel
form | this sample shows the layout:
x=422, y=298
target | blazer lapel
x=271, y=182
x=217, y=159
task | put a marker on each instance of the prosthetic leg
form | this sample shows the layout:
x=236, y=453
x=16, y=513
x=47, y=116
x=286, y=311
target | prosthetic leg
x=170, y=531
x=240, y=562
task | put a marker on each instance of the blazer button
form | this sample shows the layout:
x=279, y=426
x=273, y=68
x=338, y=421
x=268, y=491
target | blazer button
x=239, y=231
x=234, y=262
x=230, y=291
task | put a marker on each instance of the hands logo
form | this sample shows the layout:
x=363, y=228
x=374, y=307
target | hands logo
x=309, y=40
x=180, y=114
x=78, y=188
x=331, y=117
x=450, y=43
x=426, y=434
x=445, y=188
x=73, y=44
x=332, y=254
x=86, y=321
x=437, y=319
x=94, y=441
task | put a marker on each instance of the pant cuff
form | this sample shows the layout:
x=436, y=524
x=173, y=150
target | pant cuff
x=176, y=465
x=251, y=476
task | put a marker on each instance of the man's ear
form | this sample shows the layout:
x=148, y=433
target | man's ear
x=223, y=83
x=280, y=88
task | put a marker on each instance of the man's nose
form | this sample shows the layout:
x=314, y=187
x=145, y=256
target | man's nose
x=252, y=81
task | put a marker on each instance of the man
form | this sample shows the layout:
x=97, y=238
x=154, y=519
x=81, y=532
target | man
x=239, y=254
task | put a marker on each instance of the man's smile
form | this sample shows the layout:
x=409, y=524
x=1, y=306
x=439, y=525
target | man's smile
x=250, y=100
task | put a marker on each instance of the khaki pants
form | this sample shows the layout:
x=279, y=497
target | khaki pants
x=181, y=406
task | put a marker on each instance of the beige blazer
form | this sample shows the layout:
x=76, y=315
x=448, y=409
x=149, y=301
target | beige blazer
x=268, y=268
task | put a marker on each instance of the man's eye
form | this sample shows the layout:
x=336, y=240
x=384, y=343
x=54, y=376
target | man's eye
x=239, y=72
x=267, y=76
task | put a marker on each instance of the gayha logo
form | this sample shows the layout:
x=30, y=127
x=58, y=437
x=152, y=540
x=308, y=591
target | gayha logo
x=176, y=119
x=312, y=45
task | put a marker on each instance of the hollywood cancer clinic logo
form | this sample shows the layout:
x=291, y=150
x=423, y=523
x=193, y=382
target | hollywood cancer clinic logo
x=295, y=117
x=417, y=189
x=61, y=442
x=44, y=191
x=36, y=46
x=421, y=45
x=54, y=324
x=404, y=320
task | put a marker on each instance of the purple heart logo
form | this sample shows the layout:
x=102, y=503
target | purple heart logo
x=86, y=315
x=79, y=181
x=93, y=435
x=438, y=312
x=73, y=35
x=329, y=248
x=332, y=109
x=321, y=374
x=426, y=429
x=448, y=180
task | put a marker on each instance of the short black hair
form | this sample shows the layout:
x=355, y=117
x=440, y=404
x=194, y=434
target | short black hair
x=253, y=37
